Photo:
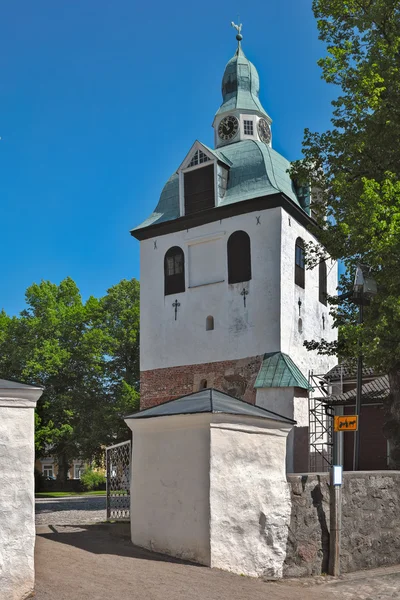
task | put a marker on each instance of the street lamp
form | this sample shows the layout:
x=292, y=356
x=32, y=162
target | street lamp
x=364, y=289
x=364, y=284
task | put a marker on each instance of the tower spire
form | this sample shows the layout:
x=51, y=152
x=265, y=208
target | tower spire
x=238, y=28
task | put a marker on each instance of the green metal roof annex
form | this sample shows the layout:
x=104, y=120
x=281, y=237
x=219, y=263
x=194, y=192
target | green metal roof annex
x=278, y=370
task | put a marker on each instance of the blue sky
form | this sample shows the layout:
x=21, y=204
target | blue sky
x=101, y=101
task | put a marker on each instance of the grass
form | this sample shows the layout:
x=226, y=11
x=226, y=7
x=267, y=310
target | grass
x=65, y=494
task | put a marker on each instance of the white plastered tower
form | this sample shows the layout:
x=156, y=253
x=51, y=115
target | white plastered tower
x=225, y=299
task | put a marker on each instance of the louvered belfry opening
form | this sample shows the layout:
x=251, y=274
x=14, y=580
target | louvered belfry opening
x=239, y=257
x=174, y=271
x=299, y=275
x=199, y=189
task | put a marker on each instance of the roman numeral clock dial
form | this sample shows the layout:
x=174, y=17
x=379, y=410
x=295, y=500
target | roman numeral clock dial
x=228, y=127
x=264, y=131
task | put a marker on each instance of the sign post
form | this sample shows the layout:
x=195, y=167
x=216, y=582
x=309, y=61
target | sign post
x=335, y=519
x=341, y=423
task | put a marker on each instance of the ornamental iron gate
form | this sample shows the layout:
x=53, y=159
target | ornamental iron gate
x=118, y=461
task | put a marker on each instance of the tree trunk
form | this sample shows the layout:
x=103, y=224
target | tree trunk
x=392, y=418
x=63, y=467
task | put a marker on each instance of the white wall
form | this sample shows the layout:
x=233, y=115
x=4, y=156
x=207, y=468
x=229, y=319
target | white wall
x=17, y=500
x=170, y=486
x=270, y=320
x=249, y=496
x=239, y=332
x=293, y=404
x=311, y=310
x=212, y=488
x=279, y=400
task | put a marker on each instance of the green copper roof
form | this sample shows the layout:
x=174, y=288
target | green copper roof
x=256, y=170
x=240, y=85
x=278, y=370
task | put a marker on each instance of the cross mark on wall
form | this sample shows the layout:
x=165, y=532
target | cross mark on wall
x=176, y=305
x=244, y=293
x=258, y=222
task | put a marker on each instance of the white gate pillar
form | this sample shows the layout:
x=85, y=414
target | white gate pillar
x=17, y=493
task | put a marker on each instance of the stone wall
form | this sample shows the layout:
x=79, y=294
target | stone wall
x=370, y=522
x=235, y=377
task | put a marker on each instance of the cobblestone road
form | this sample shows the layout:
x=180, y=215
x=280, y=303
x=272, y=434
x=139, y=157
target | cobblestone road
x=78, y=510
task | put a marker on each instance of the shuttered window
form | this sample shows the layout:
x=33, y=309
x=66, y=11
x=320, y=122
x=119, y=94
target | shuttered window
x=199, y=189
x=174, y=271
x=239, y=257
x=322, y=283
x=299, y=273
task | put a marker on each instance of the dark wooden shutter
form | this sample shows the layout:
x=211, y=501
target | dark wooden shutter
x=174, y=271
x=239, y=257
x=322, y=283
x=199, y=189
x=299, y=273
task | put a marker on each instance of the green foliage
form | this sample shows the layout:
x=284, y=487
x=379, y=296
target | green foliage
x=92, y=479
x=355, y=166
x=85, y=356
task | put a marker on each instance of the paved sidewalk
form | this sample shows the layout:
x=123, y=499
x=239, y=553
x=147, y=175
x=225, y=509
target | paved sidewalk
x=377, y=584
x=90, y=563
x=98, y=562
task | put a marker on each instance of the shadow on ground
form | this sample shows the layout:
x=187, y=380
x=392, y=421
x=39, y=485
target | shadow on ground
x=68, y=504
x=103, y=538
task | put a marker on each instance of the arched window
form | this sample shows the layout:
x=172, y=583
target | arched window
x=322, y=283
x=209, y=323
x=174, y=271
x=299, y=264
x=203, y=384
x=239, y=257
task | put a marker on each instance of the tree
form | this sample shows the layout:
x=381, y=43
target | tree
x=80, y=353
x=120, y=321
x=355, y=166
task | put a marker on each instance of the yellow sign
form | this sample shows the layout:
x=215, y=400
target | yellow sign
x=346, y=423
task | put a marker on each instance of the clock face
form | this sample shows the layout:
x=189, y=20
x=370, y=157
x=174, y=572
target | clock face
x=228, y=127
x=264, y=131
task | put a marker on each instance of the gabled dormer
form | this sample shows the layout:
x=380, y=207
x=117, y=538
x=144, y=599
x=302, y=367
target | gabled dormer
x=203, y=179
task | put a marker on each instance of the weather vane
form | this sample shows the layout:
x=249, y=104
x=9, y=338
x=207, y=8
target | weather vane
x=238, y=28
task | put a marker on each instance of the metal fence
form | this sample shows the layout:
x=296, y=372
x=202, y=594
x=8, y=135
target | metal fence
x=118, y=461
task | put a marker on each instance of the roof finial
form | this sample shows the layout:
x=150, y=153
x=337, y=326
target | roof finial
x=238, y=28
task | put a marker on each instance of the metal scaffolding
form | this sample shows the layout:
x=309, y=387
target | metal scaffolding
x=320, y=424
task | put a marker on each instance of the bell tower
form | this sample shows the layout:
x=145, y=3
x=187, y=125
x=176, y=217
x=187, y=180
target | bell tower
x=241, y=115
x=226, y=301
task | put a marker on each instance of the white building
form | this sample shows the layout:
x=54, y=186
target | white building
x=226, y=301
